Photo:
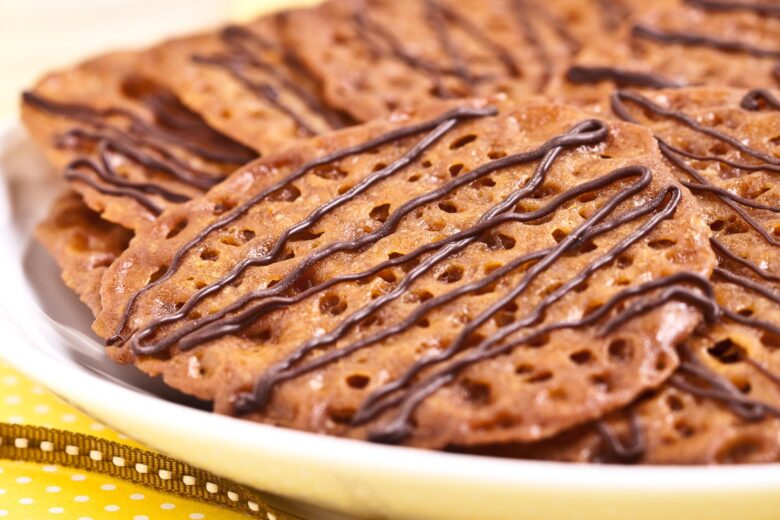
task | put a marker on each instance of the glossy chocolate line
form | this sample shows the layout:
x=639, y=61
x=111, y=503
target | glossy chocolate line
x=435, y=18
x=399, y=428
x=725, y=200
x=582, y=133
x=273, y=254
x=727, y=194
x=235, y=67
x=625, y=452
x=760, y=8
x=270, y=303
x=227, y=151
x=617, y=102
x=476, y=33
x=580, y=75
x=718, y=388
x=723, y=160
x=282, y=370
x=235, y=37
x=700, y=40
x=621, y=111
x=106, y=173
x=377, y=401
x=130, y=148
x=522, y=18
x=748, y=284
x=369, y=30
x=753, y=99
x=231, y=216
x=723, y=250
x=144, y=201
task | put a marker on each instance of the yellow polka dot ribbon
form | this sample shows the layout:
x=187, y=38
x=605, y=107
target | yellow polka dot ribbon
x=52, y=472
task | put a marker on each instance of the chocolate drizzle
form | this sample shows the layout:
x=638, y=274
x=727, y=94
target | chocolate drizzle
x=689, y=39
x=761, y=8
x=580, y=74
x=142, y=143
x=382, y=42
x=628, y=451
x=692, y=375
x=244, y=52
x=440, y=124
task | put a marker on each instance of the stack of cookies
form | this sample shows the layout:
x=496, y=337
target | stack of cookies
x=530, y=228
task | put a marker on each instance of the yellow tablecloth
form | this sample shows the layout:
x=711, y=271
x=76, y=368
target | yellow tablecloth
x=31, y=491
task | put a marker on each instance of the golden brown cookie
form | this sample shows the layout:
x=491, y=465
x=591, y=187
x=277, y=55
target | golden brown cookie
x=723, y=403
x=690, y=43
x=427, y=279
x=127, y=145
x=375, y=56
x=83, y=245
x=245, y=81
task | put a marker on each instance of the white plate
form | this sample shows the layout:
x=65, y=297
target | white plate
x=45, y=333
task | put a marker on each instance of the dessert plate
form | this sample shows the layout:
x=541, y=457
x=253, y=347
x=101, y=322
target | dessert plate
x=45, y=334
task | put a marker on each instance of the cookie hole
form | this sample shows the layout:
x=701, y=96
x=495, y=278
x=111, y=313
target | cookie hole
x=247, y=234
x=341, y=415
x=684, y=429
x=581, y=287
x=661, y=362
x=177, y=228
x=209, y=254
x=539, y=377
x=455, y=169
x=484, y=182
x=388, y=275
x=624, y=261
x=503, y=318
x=380, y=213
x=413, y=178
x=330, y=172
x=426, y=164
x=462, y=141
x=587, y=197
x=602, y=382
x=581, y=357
x=305, y=236
x=358, y=381
x=261, y=336
x=343, y=189
x=718, y=225
x=523, y=369
x=451, y=274
x=448, y=207
x=223, y=206
x=539, y=341
x=674, y=403
x=332, y=305
x=489, y=268
x=742, y=384
x=157, y=274
x=423, y=323
x=727, y=352
x=476, y=392
x=370, y=321
x=496, y=154
x=497, y=241
x=620, y=351
x=287, y=193
x=419, y=296
x=379, y=166
x=746, y=312
x=200, y=284
x=663, y=243
x=558, y=235
x=771, y=341
x=740, y=450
